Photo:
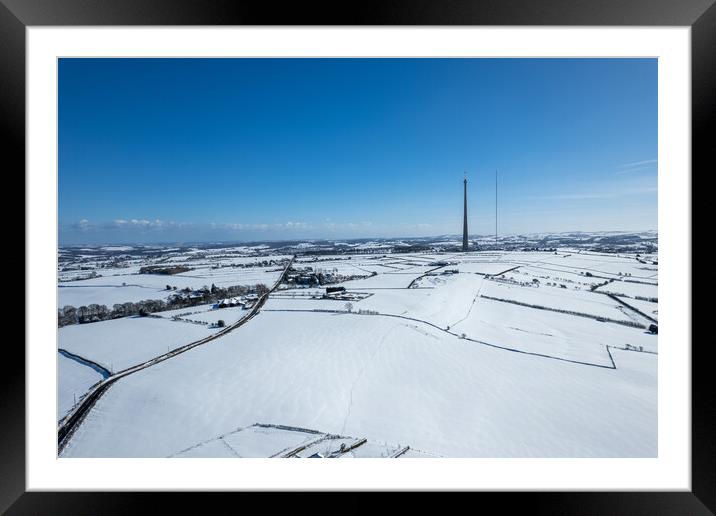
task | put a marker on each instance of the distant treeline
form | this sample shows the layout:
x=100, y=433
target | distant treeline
x=263, y=263
x=155, y=269
x=94, y=313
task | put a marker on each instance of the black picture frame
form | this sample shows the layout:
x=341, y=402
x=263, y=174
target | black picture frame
x=700, y=15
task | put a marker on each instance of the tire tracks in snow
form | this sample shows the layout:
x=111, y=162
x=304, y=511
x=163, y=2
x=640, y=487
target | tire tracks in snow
x=360, y=375
x=477, y=295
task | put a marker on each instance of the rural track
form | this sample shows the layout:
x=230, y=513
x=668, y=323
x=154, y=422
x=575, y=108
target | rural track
x=71, y=422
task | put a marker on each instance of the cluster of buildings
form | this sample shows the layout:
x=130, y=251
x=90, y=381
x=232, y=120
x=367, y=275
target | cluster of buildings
x=246, y=301
x=308, y=277
x=188, y=295
x=441, y=263
x=445, y=272
x=341, y=294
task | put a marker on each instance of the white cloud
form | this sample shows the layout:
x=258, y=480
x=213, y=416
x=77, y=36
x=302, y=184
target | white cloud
x=638, y=163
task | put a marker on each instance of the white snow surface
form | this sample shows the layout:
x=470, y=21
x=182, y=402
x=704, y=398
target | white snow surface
x=384, y=378
x=108, y=290
x=120, y=343
x=582, y=301
x=438, y=367
x=647, y=307
x=74, y=380
x=629, y=289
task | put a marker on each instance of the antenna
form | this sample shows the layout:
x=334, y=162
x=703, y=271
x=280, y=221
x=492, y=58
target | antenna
x=464, y=219
x=495, y=205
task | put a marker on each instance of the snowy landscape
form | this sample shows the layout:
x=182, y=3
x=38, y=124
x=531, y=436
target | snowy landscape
x=523, y=346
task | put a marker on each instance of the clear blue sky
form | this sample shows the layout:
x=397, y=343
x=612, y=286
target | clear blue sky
x=160, y=150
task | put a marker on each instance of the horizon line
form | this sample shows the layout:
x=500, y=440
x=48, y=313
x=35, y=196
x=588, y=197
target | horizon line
x=354, y=239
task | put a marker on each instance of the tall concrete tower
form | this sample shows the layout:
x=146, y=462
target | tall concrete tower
x=464, y=220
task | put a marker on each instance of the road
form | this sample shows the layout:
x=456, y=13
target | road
x=71, y=421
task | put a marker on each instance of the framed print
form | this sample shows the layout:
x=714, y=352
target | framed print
x=439, y=233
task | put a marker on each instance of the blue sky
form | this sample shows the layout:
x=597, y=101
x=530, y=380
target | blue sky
x=169, y=150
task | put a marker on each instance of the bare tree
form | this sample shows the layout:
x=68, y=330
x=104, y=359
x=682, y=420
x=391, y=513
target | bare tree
x=67, y=315
x=118, y=311
x=83, y=314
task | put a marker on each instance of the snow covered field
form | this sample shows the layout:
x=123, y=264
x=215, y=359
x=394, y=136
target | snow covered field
x=383, y=378
x=75, y=379
x=228, y=315
x=108, y=290
x=557, y=298
x=633, y=290
x=647, y=307
x=125, y=342
x=442, y=368
x=105, y=293
x=484, y=267
x=599, y=266
x=388, y=279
